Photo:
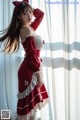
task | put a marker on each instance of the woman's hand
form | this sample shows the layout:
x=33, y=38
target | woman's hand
x=39, y=79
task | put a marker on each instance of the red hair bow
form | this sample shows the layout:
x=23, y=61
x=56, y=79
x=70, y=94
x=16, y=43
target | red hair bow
x=16, y=3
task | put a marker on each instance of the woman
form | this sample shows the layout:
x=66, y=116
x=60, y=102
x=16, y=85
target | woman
x=32, y=92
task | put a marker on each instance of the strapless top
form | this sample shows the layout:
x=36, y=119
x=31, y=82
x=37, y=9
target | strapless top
x=37, y=39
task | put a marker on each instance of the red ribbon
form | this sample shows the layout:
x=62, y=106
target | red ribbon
x=16, y=3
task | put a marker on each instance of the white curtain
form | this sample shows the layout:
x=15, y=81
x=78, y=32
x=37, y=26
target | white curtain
x=61, y=60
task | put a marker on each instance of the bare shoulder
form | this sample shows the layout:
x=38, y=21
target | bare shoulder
x=24, y=32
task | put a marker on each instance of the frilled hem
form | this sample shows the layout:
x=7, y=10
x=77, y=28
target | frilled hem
x=31, y=113
x=32, y=85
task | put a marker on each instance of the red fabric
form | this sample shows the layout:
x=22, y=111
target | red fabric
x=36, y=99
x=16, y=3
x=31, y=54
x=29, y=45
x=39, y=16
x=24, y=73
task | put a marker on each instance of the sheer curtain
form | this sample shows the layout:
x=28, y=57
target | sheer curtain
x=61, y=60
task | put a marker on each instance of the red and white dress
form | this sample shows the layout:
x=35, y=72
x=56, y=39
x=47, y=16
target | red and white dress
x=31, y=97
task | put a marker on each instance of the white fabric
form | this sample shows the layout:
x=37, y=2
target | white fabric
x=31, y=113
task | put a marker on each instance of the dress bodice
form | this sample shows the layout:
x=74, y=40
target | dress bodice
x=37, y=39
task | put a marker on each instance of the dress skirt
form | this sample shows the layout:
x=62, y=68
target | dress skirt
x=30, y=97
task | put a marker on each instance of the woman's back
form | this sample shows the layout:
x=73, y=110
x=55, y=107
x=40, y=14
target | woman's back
x=25, y=32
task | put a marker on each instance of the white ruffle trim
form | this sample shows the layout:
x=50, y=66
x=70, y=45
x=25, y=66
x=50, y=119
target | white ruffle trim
x=30, y=87
x=38, y=42
x=31, y=113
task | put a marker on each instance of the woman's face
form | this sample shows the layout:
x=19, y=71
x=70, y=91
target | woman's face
x=26, y=16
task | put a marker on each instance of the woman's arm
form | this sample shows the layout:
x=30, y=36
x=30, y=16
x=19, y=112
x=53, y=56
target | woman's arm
x=39, y=16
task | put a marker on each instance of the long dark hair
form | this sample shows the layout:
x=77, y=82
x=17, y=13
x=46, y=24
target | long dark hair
x=11, y=34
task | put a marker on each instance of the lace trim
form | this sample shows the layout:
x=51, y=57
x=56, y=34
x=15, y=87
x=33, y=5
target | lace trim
x=33, y=100
x=31, y=113
x=29, y=88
